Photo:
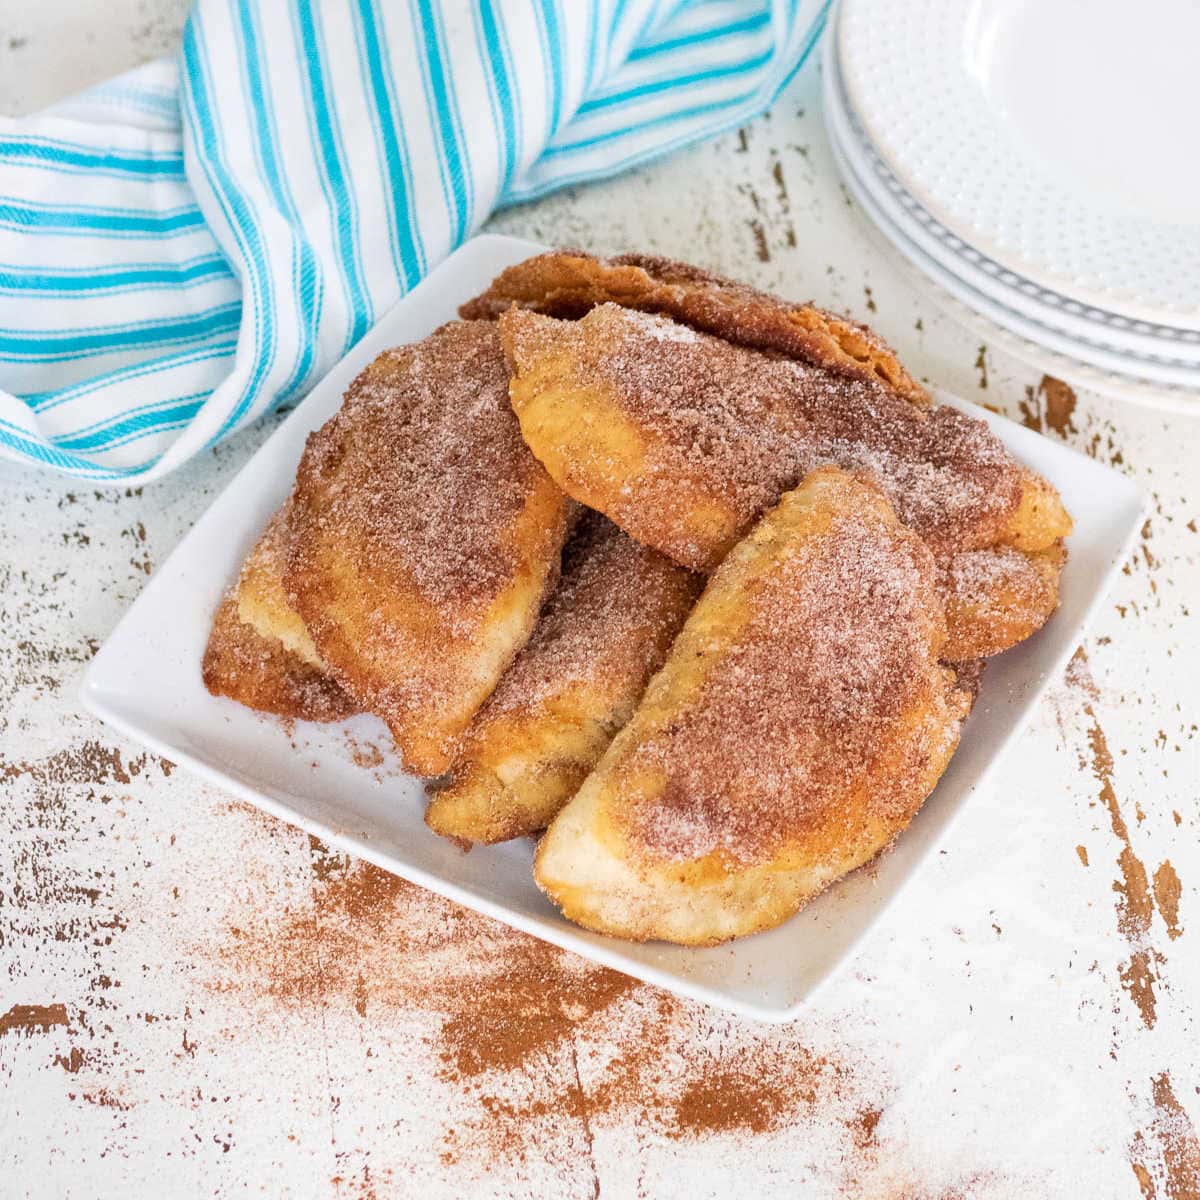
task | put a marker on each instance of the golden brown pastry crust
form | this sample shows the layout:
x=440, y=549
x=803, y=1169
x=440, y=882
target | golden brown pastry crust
x=799, y=722
x=603, y=632
x=997, y=597
x=262, y=601
x=261, y=673
x=682, y=439
x=259, y=652
x=567, y=283
x=425, y=536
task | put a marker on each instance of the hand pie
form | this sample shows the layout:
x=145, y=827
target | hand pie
x=997, y=597
x=603, y=632
x=567, y=283
x=425, y=537
x=800, y=720
x=259, y=652
x=682, y=439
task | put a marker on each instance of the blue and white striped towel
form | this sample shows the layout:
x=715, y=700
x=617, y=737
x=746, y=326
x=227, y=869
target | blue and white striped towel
x=192, y=244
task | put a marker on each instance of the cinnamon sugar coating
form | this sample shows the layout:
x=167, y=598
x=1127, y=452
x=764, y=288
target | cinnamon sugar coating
x=801, y=719
x=261, y=673
x=567, y=283
x=683, y=439
x=259, y=652
x=997, y=597
x=602, y=633
x=425, y=536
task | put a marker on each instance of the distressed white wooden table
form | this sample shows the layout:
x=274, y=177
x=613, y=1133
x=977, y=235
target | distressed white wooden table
x=195, y=1000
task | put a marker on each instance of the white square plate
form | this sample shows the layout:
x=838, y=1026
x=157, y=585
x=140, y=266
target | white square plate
x=145, y=682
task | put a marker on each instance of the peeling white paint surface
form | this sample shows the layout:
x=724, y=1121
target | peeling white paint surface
x=195, y=1001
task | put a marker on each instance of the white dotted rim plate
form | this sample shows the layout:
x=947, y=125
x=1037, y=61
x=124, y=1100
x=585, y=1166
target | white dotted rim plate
x=969, y=307
x=1160, y=380
x=912, y=75
x=1151, y=343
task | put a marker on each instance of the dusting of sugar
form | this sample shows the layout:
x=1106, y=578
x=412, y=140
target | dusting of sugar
x=742, y=426
x=812, y=703
x=425, y=464
x=617, y=606
x=661, y=329
x=997, y=596
x=975, y=576
x=269, y=553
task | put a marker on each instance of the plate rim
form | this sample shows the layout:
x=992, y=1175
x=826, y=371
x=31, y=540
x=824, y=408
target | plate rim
x=1018, y=324
x=1128, y=389
x=937, y=243
x=972, y=308
x=1124, y=298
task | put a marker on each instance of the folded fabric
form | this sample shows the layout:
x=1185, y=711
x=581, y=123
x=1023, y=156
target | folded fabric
x=191, y=244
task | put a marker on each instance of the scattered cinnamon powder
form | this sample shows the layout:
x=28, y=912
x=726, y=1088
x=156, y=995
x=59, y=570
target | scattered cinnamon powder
x=90, y=761
x=1177, y=1137
x=543, y=1048
x=1167, y=890
x=1135, y=906
x=531, y=1004
x=103, y=1098
x=262, y=822
x=1145, y=1180
x=57, y=906
x=33, y=1018
x=1136, y=898
x=726, y=1099
x=1168, y=1152
x=528, y=1001
x=1051, y=407
x=864, y=1125
x=367, y=755
x=72, y=1062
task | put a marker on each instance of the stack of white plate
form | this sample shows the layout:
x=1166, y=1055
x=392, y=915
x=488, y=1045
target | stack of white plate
x=1038, y=161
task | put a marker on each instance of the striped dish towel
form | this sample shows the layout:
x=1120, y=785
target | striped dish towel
x=194, y=243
